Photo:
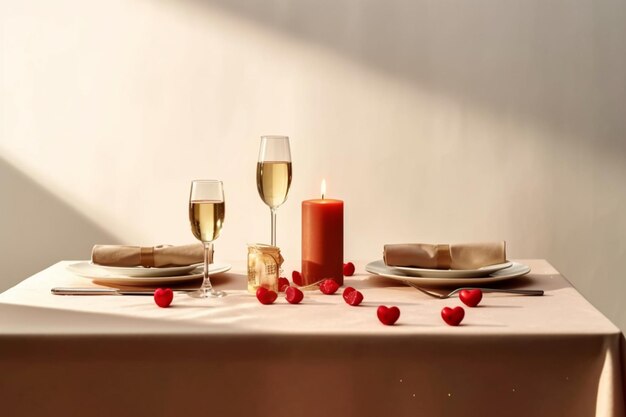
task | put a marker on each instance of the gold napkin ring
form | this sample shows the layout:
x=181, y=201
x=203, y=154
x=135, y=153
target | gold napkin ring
x=443, y=257
x=146, y=257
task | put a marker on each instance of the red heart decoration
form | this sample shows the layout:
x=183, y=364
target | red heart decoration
x=265, y=296
x=354, y=298
x=347, y=291
x=163, y=297
x=453, y=316
x=471, y=298
x=388, y=315
x=294, y=295
x=296, y=277
x=329, y=286
x=348, y=269
x=283, y=283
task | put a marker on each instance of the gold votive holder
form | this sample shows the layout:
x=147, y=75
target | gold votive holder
x=264, y=265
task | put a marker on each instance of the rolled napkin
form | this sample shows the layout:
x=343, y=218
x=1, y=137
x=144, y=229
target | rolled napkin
x=157, y=256
x=454, y=256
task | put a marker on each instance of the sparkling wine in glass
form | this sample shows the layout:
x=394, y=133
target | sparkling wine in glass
x=206, y=214
x=273, y=174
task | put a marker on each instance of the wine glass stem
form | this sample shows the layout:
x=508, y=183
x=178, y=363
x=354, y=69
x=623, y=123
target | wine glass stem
x=206, y=283
x=273, y=211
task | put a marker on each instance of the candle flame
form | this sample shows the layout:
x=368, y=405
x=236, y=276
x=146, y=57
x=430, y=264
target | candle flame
x=323, y=187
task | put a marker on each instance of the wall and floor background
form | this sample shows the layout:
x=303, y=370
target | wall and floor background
x=433, y=120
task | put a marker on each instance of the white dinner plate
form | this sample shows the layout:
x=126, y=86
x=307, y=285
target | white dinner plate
x=515, y=270
x=87, y=270
x=140, y=271
x=451, y=273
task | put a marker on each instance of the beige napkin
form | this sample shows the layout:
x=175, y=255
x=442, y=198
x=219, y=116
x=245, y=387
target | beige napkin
x=455, y=256
x=157, y=256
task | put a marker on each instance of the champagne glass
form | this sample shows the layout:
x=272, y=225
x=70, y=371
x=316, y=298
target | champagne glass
x=273, y=174
x=206, y=214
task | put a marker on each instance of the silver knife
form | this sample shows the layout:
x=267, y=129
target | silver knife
x=107, y=291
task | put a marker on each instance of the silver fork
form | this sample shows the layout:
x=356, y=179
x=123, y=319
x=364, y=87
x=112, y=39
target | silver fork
x=458, y=290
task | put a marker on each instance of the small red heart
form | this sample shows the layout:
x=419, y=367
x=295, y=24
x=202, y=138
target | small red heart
x=347, y=291
x=296, y=277
x=354, y=298
x=388, y=315
x=329, y=286
x=453, y=316
x=471, y=298
x=283, y=283
x=265, y=296
x=163, y=297
x=348, y=269
x=294, y=295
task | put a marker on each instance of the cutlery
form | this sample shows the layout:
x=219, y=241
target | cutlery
x=107, y=291
x=484, y=290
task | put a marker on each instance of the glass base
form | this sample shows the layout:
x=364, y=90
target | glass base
x=205, y=293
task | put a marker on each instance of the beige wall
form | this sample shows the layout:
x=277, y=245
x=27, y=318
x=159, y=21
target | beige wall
x=434, y=120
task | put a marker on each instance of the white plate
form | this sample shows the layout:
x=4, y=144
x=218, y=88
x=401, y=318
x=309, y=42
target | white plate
x=140, y=271
x=514, y=271
x=87, y=270
x=451, y=273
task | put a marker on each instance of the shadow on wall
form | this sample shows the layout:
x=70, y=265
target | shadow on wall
x=561, y=65
x=38, y=229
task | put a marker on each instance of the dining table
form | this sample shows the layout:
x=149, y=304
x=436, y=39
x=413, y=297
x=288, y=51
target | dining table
x=112, y=355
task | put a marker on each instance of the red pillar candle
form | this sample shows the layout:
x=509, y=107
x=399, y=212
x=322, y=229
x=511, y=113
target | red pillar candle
x=322, y=240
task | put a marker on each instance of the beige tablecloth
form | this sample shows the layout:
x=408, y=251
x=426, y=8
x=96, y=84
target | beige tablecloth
x=124, y=356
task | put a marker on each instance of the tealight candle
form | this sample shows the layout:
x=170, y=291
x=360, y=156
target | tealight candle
x=322, y=239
